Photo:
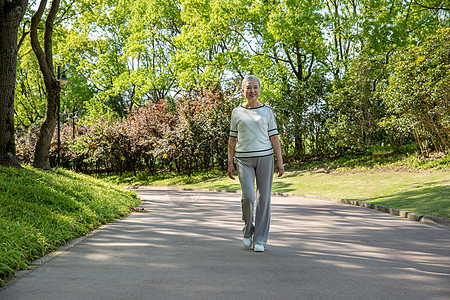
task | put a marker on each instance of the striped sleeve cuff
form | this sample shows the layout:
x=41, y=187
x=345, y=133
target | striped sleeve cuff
x=273, y=132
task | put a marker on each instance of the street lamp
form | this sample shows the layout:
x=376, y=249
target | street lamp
x=73, y=116
x=62, y=80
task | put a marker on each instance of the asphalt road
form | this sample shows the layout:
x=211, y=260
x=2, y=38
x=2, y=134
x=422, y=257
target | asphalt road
x=188, y=246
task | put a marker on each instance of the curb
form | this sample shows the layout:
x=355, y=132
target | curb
x=440, y=222
x=46, y=258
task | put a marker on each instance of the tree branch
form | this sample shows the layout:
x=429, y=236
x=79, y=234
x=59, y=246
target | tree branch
x=310, y=66
x=47, y=72
x=433, y=7
x=289, y=61
x=24, y=34
x=48, y=33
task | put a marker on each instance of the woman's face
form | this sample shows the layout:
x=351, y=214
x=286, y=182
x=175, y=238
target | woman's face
x=251, y=90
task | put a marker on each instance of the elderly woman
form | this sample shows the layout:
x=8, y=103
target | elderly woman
x=253, y=141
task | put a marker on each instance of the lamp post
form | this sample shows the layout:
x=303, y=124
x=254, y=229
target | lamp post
x=73, y=116
x=62, y=80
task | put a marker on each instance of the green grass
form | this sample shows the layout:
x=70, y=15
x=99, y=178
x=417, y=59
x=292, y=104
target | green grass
x=407, y=182
x=378, y=159
x=163, y=178
x=422, y=192
x=42, y=210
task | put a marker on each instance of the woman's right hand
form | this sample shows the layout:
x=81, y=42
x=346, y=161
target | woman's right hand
x=231, y=171
x=232, y=141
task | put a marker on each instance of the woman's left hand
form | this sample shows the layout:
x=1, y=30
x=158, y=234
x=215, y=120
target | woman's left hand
x=280, y=169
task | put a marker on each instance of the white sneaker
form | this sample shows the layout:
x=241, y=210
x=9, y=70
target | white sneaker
x=247, y=242
x=258, y=248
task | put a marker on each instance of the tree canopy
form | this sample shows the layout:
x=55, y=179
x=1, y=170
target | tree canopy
x=341, y=75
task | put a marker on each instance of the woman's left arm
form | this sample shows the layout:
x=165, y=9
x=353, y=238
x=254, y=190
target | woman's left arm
x=277, y=148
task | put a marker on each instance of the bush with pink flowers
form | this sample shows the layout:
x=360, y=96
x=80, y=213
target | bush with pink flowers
x=183, y=134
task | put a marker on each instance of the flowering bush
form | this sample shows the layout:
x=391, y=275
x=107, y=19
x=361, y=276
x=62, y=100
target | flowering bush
x=187, y=133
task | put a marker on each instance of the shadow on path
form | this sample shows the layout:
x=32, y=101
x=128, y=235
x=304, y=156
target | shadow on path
x=188, y=247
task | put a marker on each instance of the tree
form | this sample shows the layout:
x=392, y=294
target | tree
x=52, y=86
x=356, y=104
x=292, y=40
x=418, y=94
x=279, y=41
x=11, y=14
x=30, y=98
x=124, y=51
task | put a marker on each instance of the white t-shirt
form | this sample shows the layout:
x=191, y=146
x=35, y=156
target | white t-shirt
x=252, y=127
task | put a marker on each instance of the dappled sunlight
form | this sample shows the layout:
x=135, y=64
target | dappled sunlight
x=361, y=243
x=128, y=244
x=345, y=265
x=97, y=256
x=425, y=272
x=189, y=246
x=283, y=187
x=409, y=276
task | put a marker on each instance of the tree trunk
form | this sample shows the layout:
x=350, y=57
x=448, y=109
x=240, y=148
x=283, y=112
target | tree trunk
x=299, y=149
x=297, y=118
x=44, y=140
x=52, y=86
x=11, y=13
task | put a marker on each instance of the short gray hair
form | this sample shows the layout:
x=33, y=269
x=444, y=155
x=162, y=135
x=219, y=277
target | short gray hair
x=250, y=77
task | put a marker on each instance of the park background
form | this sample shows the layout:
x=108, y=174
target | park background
x=153, y=83
x=360, y=89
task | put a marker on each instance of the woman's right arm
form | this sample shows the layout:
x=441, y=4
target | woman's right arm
x=232, y=141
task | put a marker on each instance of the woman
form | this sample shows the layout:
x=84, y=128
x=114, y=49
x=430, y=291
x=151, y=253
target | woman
x=252, y=142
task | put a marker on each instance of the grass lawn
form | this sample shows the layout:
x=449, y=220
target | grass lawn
x=422, y=191
x=42, y=210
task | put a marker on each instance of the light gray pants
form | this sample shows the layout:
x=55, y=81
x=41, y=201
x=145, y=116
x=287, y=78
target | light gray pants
x=261, y=169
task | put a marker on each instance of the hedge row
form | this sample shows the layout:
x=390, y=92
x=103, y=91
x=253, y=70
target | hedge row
x=188, y=133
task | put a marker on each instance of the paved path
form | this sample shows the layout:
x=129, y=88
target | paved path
x=188, y=247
